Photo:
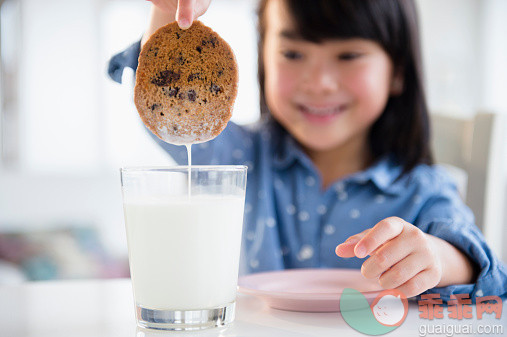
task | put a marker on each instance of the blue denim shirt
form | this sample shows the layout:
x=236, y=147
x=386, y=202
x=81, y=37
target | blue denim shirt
x=292, y=222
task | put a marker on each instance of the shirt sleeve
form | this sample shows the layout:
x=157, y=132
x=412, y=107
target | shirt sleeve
x=444, y=215
x=127, y=58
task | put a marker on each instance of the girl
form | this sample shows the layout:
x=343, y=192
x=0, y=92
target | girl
x=342, y=155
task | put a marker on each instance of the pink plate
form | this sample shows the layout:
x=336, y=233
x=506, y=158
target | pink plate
x=309, y=290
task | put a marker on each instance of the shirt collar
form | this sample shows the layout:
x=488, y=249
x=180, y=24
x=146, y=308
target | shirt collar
x=288, y=151
x=383, y=173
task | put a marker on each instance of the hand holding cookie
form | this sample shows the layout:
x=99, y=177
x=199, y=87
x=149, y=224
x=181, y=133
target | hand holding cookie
x=186, y=84
x=183, y=11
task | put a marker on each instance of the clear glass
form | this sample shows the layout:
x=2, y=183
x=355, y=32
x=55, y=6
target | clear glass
x=184, y=243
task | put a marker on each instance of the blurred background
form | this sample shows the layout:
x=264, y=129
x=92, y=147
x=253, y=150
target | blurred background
x=66, y=128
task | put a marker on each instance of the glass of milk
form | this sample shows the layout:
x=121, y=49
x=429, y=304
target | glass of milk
x=184, y=235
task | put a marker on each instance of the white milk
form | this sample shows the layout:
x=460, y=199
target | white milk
x=184, y=253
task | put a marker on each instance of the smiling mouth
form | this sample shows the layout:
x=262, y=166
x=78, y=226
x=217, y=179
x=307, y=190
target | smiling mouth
x=324, y=114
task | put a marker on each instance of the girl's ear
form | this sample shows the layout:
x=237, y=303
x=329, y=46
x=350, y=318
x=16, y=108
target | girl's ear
x=397, y=84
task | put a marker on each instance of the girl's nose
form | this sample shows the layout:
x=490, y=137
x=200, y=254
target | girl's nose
x=320, y=79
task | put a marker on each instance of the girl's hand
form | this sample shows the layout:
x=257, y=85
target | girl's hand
x=401, y=256
x=166, y=11
x=183, y=11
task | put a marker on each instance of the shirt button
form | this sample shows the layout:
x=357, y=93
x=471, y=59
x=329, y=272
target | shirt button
x=339, y=186
x=310, y=181
x=342, y=196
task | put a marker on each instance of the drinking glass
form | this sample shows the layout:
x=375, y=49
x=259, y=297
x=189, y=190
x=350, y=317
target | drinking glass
x=184, y=234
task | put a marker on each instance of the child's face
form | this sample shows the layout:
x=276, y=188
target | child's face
x=326, y=95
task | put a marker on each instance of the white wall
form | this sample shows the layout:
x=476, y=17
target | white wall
x=450, y=33
x=464, y=54
x=77, y=127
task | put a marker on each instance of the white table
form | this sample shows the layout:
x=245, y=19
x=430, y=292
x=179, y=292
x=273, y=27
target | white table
x=104, y=308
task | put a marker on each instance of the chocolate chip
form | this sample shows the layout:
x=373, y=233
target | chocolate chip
x=154, y=51
x=212, y=40
x=205, y=100
x=220, y=72
x=215, y=88
x=177, y=35
x=199, y=49
x=192, y=95
x=165, y=77
x=154, y=106
x=180, y=60
x=175, y=128
x=193, y=76
x=161, y=114
x=171, y=92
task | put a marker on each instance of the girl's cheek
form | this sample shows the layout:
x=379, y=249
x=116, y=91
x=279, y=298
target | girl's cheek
x=371, y=88
x=285, y=84
x=279, y=87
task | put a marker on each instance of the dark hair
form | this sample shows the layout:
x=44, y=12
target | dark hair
x=403, y=128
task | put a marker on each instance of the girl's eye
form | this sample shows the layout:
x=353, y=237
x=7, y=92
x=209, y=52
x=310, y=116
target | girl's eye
x=291, y=55
x=348, y=56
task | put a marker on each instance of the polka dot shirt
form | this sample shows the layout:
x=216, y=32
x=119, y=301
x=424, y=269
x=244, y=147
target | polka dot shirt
x=292, y=222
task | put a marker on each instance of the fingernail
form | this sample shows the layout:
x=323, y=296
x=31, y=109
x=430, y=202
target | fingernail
x=350, y=241
x=360, y=251
x=184, y=23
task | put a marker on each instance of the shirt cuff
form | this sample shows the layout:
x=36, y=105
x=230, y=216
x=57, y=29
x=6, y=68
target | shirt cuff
x=127, y=58
x=492, y=273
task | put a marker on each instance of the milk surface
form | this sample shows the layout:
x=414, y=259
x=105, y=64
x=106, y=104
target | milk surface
x=184, y=252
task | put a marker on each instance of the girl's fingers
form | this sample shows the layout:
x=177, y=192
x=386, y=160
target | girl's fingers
x=201, y=6
x=403, y=271
x=346, y=249
x=386, y=256
x=419, y=283
x=382, y=232
x=165, y=5
x=185, y=13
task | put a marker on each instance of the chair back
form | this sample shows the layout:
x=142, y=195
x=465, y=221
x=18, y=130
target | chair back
x=473, y=151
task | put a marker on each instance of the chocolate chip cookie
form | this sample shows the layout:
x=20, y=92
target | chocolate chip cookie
x=186, y=84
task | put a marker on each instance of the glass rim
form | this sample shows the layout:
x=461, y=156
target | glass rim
x=184, y=168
